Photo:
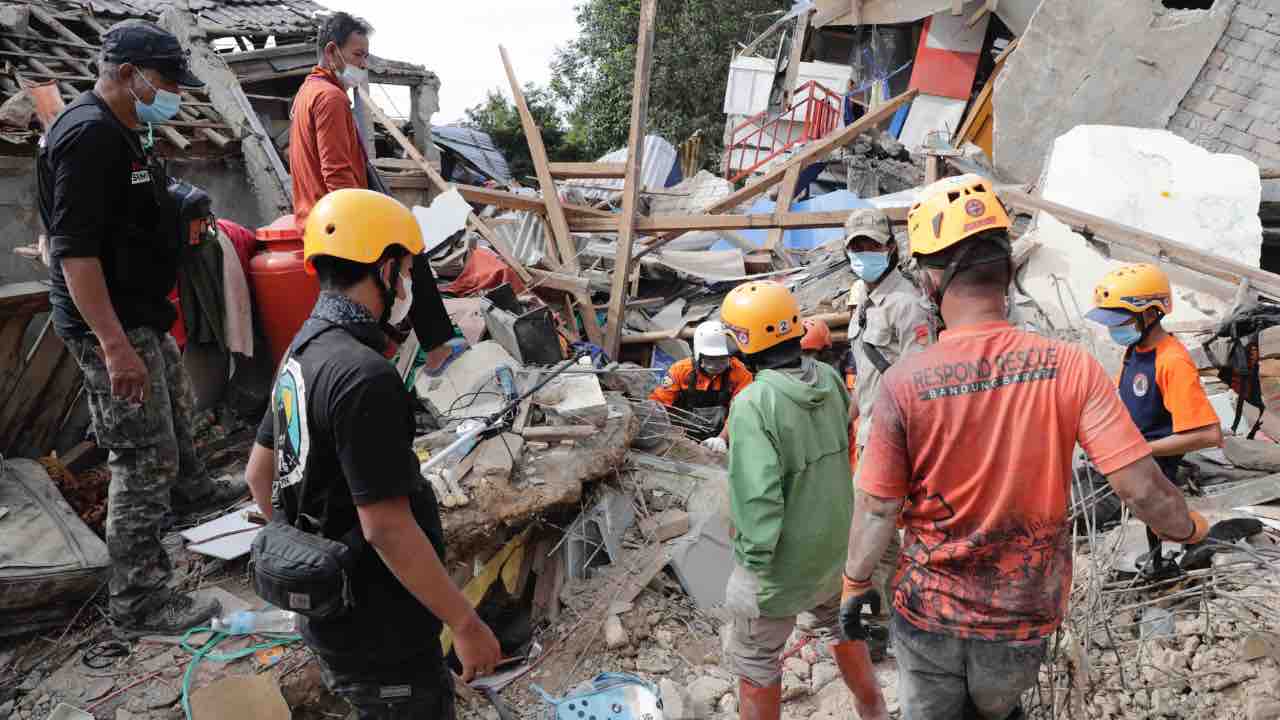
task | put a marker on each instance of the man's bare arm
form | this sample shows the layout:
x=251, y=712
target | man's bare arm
x=1156, y=502
x=389, y=526
x=88, y=288
x=875, y=520
x=259, y=473
x=1209, y=436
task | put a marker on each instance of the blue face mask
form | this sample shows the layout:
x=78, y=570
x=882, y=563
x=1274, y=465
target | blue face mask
x=162, y=108
x=1126, y=335
x=870, y=266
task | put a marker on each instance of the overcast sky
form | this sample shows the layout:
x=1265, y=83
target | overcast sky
x=459, y=42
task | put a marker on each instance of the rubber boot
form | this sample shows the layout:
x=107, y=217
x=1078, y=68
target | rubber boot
x=854, y=661
x=759, y=703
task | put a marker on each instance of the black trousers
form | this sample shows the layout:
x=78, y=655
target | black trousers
x=395, y=695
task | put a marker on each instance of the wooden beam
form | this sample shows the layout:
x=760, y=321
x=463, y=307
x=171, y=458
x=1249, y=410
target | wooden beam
x=811, y=153
x=793, y=60
x=786, y=193
x=538, y=153
x=1131, y=238
x=54, y=24
x=269, y=76
x=592, y=171
x=855, y=12
x=632, y=182
x=23, y=299
x=442, y=186
x=687, y=223
x=834, y=320
x=768, y=33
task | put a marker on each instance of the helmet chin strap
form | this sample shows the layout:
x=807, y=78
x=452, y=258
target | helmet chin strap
x=388, y=296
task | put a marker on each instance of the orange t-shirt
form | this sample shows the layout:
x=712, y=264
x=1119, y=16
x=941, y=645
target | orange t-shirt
x=678, y=376
x=977, y=433
x=325, y=153
x=1180, y=391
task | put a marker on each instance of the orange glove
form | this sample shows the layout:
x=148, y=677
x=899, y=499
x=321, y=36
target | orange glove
x=1199, y=531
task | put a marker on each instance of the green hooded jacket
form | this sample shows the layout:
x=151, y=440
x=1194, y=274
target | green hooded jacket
x=791, y=486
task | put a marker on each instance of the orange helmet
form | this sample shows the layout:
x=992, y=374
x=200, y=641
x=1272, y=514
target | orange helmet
x=760, y=315
x=817, y=335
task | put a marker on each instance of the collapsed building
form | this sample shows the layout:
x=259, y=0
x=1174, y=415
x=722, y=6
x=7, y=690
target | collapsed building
x=589, y=529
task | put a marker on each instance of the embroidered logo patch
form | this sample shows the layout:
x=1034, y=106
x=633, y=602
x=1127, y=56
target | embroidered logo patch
x=784, y=327
x=922, y=334
x=668, y=381
x=1141, y=384
x=975, y=208
x=141, y=177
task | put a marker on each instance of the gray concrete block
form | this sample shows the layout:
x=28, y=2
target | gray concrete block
x=1269, y=60
x=1238, y=139
x=1262, y=111
x=1217, y=58
x=1252, y=17
x=1186, y=133
x=1243, y=49
x=1261, y=38
x=1267, y=149
x=1213, y=145
x=1237, y=119
x=1250, y=69
x=1268, y=131
x=1184, y=118
x=1205, y=108
x=1229, y=99
x=1237, y=29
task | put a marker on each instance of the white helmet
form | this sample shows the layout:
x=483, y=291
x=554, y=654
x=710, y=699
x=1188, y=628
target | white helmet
x=711, y=340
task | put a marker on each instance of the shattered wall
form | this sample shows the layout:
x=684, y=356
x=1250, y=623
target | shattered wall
x=1100, y=62
x=1234, y=104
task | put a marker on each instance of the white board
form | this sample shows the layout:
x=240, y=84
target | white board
x=226, y=546
x=929, y=113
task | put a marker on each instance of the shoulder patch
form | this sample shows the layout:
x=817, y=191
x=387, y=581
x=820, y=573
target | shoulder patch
x=922, y=334
x=668, y=381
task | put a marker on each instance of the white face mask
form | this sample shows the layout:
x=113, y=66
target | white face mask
x=400, y=308
x=351, y=75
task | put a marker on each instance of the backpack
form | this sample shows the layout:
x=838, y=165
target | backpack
x=1238, y=367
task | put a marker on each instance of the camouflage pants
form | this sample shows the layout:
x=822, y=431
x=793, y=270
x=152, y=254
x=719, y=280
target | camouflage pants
x=152, y=455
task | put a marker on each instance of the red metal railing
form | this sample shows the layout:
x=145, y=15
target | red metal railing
x=814, y=113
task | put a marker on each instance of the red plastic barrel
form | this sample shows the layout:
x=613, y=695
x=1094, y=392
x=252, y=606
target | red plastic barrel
x=283, y=291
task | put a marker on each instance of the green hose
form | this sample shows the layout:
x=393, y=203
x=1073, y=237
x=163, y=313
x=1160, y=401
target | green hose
x=206, y=652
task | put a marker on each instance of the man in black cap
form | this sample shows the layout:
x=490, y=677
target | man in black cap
x=114, y=250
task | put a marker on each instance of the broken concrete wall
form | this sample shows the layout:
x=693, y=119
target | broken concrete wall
x=20, y=206
x=1234, y=104
x=1100, y=62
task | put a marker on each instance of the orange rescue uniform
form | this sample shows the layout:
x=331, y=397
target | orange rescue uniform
x=680, y=374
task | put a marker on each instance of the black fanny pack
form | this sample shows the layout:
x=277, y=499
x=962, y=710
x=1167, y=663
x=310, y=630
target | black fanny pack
x=297, y=568
x=302, y=571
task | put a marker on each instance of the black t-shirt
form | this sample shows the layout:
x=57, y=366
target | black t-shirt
x=344, y=426
x=102, y=196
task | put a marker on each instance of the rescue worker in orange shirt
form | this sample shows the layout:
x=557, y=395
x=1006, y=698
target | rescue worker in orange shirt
x=973, y=442
x=1159, y=385
x=702, y=387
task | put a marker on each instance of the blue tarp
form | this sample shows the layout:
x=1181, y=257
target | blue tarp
x=806, y=239
x=477, y=147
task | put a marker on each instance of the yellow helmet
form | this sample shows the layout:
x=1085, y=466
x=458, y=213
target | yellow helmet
x=358, y=225
x=951, y=210
x=1128, y=290
x=760, y=315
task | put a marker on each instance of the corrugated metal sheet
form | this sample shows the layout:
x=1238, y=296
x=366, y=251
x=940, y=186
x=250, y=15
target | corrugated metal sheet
x=477, y=147
x=661, y=169
x=526, y=237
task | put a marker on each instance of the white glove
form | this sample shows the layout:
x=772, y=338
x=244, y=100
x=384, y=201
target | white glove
x=716, y=444
x=741, y=595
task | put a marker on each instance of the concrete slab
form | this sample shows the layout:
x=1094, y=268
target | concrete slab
x=1074, y=67
x=574, y=399
x=703, y=560
x=450, y=393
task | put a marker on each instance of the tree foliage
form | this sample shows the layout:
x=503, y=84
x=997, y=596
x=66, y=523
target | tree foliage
x=693, y=45
x=499, y=117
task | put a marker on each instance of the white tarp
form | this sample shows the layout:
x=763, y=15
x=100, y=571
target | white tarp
x=1152, y=180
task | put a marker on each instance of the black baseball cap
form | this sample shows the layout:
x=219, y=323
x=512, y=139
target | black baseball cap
x=148, y=45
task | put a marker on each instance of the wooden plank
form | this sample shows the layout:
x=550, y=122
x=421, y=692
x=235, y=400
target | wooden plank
x=810, y=154
x=591, y=171
x=1169, y=251
x=55, y=25
x=42, y=362
x=632, y=182
x=855, y=12
x=40, y=427
x=786, y=193
x=23, y=299
x=538, y=153
x=442, y=186
x=270, y=76
x=12, y=329
x=793, y=60
x=566, y=283
x=681, y=223
x=556, y=433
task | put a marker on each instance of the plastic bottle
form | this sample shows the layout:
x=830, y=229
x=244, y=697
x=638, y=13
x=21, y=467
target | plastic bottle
x=271, y=620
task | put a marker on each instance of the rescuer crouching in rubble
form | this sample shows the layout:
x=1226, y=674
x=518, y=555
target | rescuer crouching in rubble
x=975, y=437
x=790, y=496
x=702, y=388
